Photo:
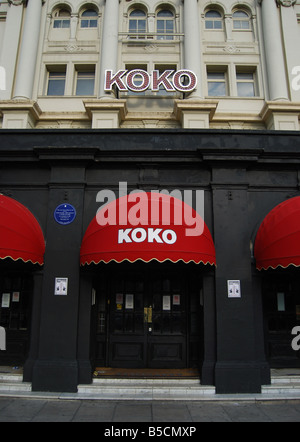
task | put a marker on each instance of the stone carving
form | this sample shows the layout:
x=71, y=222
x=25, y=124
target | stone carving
x=17, y=2
x=286, y=3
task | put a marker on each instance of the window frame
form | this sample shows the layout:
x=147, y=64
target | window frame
x=168, y=35
x=60, y=19
x=239, y=81
x=88, y=71
x=214, y=20
x=246, y=19
x=61, y=72
x=131, y=67
x=89, y=18
x=137, y=34
x=162, y=91
x=222, y=70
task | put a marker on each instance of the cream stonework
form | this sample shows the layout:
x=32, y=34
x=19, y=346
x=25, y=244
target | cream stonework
x=244, y=53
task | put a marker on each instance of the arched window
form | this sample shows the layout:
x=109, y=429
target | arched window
x=165, y=24
x=62, y=19
x=241, y=20
x=213, y=20
x=89, y=19
x=137, y=23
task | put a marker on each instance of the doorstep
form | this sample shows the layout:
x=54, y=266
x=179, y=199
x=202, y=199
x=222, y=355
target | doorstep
x=285, y=386
x=146, y=389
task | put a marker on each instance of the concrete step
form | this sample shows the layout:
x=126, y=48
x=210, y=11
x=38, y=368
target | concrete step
x=281, y=389
x=10, y=382
x=285, y=380
x=19, y=387
x=146, y=389
x=283, y=385
x=11, y=377
x=147, y=381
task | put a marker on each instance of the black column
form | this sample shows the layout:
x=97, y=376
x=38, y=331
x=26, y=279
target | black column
x=35, y=325
x=56, y=368
x=237, y=369
x=208, y=367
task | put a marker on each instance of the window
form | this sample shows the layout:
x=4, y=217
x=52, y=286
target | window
x=217, y=84
x=56, y=82
x=162, y=68
x=85, y=82
x=137, y=23
x=15, y=305
x=89, y=19
x=137, y=80
x=165, y=25
x=241, y=20
x=213, y=20
x=246, y=86
x=62, y=19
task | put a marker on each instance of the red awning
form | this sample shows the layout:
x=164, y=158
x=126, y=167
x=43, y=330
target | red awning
x=277, y=242
x=21, y=236
x=138, y=228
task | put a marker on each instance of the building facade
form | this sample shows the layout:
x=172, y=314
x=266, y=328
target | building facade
x=122, y=102
x=244, y=55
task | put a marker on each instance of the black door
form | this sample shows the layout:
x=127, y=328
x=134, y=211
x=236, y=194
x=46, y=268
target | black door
x=281, y=299
x=148, y=317
x=15, y=311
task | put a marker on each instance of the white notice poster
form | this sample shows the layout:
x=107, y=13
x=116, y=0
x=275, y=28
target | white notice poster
x=234, y=289
x=5, y=300
x=129, y=304
x=61, y=286
x=166, y=303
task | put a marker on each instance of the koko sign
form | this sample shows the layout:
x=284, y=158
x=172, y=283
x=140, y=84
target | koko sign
x=139, y=80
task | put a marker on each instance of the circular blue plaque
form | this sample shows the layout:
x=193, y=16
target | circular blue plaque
x=64, y=214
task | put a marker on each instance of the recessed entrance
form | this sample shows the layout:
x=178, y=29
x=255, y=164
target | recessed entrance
x=15, y=315
x=281, y=298
x=148, y=316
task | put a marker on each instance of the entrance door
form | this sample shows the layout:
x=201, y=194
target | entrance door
x=15, y=310
x=149, y=318
x=281, y=298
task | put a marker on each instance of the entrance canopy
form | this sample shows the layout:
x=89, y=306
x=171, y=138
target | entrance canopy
x=21, y=236
x=147, y=226
x=277, y=242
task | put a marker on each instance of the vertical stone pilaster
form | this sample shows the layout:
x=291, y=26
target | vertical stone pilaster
x=192, y=43
x=110, y=36
x=28, y=52
x=276, y=71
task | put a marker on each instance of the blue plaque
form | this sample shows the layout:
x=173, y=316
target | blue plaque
x=64, y=214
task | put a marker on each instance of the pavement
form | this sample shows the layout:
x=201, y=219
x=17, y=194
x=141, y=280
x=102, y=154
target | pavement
x=126, y=413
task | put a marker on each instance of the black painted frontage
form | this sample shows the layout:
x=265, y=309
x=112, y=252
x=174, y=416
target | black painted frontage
x=233, y=341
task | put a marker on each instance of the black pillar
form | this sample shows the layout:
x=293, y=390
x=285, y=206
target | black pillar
x=84, y=329
x=237, y=369
x=56, y=367
x=35, y=326
x=208, y=367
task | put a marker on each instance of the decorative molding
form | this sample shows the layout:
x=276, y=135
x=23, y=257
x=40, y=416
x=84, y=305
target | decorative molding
x=73, y=48
x=151, y=48
x=286, y=3
x=231, y=49
x=17, y=2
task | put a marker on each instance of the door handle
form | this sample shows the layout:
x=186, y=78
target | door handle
x=148, y=315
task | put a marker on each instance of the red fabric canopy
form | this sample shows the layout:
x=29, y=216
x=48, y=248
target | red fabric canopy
x=21, y=236
x=136, y=230
x=277, y=242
